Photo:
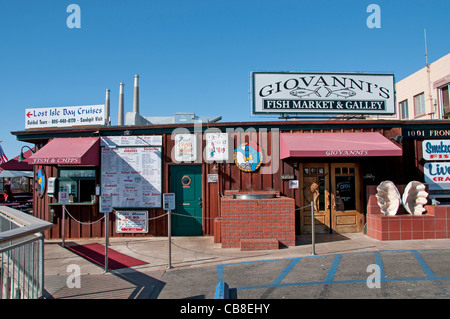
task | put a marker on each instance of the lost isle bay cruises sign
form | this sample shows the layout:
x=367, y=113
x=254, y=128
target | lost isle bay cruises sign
x=65, y=116
x=337, y=93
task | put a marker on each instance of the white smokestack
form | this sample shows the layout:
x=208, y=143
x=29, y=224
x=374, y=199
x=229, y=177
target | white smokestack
x=107, y=108
x=136, y=94
x=121, y=104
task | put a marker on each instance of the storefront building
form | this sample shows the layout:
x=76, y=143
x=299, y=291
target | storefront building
x=335, y=164
x=340, y=157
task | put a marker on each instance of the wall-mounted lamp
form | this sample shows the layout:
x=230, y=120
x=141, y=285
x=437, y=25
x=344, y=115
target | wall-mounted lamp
x=398, y=139
x=21, y=157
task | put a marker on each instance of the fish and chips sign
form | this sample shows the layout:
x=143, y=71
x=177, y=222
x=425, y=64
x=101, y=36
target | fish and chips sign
x=323, y=93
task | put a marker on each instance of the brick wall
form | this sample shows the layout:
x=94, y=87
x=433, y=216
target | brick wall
x=253, y=219
x=433, y=224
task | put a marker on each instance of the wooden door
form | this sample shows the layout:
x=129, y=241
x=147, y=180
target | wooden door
x=315, y=187
x=346, y=216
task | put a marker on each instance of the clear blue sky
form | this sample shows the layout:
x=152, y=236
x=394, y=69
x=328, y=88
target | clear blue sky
x=197, y=56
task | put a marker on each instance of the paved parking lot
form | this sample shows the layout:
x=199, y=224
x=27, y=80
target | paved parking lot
x=407, y=269
x=379, y=274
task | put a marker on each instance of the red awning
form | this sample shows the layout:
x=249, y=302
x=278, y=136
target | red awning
x=15, y=165
x=68, y=151
x=336, y=145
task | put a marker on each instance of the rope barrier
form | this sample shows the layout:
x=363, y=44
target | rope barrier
x=182, y=215
x=227, y=218
x=91, y=223
x=84, y=223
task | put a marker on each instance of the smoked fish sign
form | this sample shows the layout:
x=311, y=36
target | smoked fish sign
x=65, y=116
x=323, y=93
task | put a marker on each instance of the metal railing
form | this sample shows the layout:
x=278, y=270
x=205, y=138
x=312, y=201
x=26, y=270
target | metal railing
x=21, y=255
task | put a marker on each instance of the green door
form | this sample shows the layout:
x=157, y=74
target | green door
x=186, y=183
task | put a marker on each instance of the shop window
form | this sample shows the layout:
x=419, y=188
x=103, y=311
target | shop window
x=404, y=109
x=316, y=175
x=419, y=104
x=345, y=188
x=79, y=183
x=345, y=193
x=20, y=184
x=444, y=101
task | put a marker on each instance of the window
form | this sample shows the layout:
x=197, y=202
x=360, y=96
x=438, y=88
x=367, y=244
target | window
x=345, y=188
x=404, y=109
x=444, y=101
x=316, y=175
x=419, y=104
x=79, y=183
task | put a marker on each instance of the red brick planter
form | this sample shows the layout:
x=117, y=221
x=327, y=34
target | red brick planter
x=244, y=222
x=433, y=224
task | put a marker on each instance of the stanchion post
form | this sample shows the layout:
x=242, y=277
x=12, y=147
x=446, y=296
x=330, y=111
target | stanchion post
x=313, y=232
x=169, y=232
x=169, y=205
x=106, y=241
x=63, y=224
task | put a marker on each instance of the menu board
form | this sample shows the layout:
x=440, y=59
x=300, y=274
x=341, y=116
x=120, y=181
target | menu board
x=131, y=171
x=131, y=222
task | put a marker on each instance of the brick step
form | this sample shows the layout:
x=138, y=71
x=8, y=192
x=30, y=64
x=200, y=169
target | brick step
x=259, y=244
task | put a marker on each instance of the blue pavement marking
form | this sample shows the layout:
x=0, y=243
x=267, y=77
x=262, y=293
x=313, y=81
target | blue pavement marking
x=285, y=271
x=332, y=271
x=222, y=291
x=379, y=263
x=424, y=265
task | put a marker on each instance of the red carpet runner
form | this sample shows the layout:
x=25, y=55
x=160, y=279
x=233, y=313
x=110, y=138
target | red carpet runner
x=96, y=254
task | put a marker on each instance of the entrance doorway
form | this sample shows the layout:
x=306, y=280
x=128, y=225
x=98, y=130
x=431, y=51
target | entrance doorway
x=186, y=183
x=335, y=189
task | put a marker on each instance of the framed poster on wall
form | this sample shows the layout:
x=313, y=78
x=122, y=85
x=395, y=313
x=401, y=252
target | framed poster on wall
x=185, y=148
x=217, y=147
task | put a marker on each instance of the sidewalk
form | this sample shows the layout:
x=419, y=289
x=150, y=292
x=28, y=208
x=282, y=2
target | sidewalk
x=194, y=261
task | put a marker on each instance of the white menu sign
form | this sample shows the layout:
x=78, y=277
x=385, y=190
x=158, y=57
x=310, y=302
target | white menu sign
x=131, y=175
x=131, y=221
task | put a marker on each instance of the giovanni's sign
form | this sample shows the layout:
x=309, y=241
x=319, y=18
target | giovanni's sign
x=322, y=93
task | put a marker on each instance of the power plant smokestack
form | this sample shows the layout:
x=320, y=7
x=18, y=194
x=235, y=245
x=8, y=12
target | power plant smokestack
x=107, y=108
x=136, y=94
x=121, y=104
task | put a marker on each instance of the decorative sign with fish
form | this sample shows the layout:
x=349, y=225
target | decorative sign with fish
x=323, y=93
